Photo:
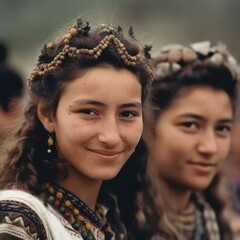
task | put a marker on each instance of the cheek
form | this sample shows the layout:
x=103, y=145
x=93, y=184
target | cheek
x=132, y=134
x=174, y=144
x=171, y=153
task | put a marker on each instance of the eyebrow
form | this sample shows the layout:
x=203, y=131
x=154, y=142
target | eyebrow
x=199, y=117
x=98, y=103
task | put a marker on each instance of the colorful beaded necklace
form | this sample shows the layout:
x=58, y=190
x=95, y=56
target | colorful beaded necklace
x=76, y=212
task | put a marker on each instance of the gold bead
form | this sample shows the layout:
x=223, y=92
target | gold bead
x=91, y=52
x=68, y=36
x=73, y=31
x=68, y=203
x=51, y=190
x=80, y=218
x=59, y=195
x=50, y=141
x=111, y=37
x=88, y=226
x=76, y=211
x=50, y=45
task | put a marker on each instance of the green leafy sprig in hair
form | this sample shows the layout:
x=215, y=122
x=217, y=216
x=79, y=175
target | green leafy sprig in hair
x=147, y=50
x=82, y=27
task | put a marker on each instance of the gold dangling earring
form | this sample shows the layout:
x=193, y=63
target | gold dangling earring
x=50, y=143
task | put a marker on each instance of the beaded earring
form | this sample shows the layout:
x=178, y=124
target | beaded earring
x=50, y=143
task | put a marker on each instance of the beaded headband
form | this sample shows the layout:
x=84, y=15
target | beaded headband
x=81, y=28
x=173, y=57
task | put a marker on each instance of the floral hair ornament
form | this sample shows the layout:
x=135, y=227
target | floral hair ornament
x=81, y=28
x=173, y=57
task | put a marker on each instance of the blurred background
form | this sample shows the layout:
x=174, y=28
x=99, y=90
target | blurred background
x=25, y=25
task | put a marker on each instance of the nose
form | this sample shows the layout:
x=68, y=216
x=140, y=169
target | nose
x=109, y=132
x=208, y=143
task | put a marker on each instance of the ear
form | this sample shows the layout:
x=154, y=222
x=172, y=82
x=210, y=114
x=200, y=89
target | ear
x=45, y=117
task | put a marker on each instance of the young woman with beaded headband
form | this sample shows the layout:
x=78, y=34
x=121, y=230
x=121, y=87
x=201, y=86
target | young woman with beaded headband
x=186, y=138
x=82, y=122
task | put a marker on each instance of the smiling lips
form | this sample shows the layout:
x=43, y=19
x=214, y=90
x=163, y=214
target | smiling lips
x=204, y=167
x=204, y=164
x=106, y=153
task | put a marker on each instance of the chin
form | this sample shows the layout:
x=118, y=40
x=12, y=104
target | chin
x=105, y=175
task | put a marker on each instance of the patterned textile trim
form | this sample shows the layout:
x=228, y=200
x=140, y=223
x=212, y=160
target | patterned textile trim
x=19, y=214
x=12, y=232
x=209, y=217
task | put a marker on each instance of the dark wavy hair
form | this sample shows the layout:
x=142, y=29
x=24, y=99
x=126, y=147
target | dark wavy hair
x=24, y=159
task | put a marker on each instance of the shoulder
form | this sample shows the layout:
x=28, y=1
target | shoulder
x=20, y=216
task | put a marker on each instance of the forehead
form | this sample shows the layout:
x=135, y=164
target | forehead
x=202, y=100
x=104, y=83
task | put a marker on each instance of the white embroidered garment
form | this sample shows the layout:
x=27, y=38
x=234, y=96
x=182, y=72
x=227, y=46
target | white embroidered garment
x=49, y=224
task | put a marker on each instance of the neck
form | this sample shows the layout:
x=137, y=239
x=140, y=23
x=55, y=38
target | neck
x=86, y=189
x=177, y=200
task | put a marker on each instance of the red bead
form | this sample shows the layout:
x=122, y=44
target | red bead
x=67, y=214
x=57, y=203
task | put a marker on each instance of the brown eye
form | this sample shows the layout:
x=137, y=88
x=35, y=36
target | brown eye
x=190, y=125
x=128, y=114
x=224, y=129
x=87, y=111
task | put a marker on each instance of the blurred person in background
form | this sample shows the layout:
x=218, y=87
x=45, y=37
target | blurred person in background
x=11, y=93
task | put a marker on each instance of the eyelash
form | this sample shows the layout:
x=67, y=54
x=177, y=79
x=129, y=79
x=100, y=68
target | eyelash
x=122, y=114
x=224, y=129
x=220, y=129
x=87, y=111
x=189, y=124
x=132, y=113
